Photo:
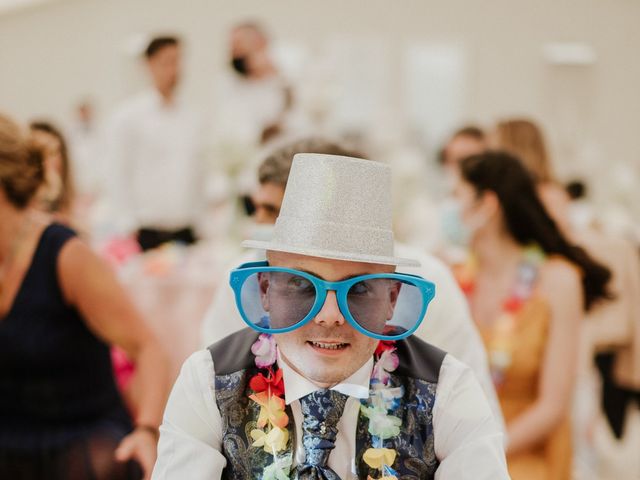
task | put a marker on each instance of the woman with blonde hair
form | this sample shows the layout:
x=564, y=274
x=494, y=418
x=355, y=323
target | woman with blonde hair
x=524, y=139
x=61, y=416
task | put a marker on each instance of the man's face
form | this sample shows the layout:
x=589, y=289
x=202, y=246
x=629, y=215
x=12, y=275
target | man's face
x=327, y=350
x=460, y=147
x=164, y=66
x=245, y=41
x=250, y=45
x=267, y=200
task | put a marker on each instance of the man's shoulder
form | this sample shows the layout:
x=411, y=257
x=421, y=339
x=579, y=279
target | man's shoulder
x=431, y=267
x=419, y=359
x=233, y=352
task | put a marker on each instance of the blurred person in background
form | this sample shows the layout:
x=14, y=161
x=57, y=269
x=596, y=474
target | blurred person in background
x=524, y=139
x=465, y=142
x=156, y=184
x=61, y=416
x=528, y=288
x=448, y=326
x=83, y=135
x=256, y=103
x=612, y=331
x=57, y=194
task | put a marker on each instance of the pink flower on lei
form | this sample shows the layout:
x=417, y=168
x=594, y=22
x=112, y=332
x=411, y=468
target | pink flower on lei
x=265, y=350
x=387, y=362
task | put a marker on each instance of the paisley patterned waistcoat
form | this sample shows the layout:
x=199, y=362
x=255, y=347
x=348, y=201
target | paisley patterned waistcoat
x=418, y=372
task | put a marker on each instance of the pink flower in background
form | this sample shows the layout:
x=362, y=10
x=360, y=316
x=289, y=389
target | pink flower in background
x=118, y=250
x=123, y=368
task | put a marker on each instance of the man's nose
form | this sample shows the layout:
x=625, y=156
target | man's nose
x=330, y=313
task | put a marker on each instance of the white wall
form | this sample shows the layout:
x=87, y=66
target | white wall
x=53, y=54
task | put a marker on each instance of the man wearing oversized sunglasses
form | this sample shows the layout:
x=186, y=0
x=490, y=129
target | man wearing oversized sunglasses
x=328, y=382
x=448, y=326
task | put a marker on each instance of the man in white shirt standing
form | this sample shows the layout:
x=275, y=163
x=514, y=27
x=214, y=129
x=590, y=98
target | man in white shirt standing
x=154, y=154
x=335, y=386
x=254, y=100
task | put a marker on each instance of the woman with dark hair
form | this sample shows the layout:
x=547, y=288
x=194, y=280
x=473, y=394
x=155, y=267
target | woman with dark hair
x=611, y=333
x=528, y=288
x=61, y=416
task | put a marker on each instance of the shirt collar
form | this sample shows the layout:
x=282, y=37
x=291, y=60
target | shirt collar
x=158, y=101
x=296, y=386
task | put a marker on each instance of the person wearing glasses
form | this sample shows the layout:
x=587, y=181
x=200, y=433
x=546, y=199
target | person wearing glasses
x=328, y=382
x=448, y=326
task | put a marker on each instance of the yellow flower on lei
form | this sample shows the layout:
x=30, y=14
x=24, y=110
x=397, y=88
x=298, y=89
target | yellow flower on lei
x=378, y=457
x=274, y=441
x=271, y=410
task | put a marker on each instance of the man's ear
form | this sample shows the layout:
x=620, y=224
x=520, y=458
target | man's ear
x=263, y=288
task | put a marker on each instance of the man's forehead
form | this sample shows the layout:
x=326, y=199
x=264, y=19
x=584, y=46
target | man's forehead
x=329, y=269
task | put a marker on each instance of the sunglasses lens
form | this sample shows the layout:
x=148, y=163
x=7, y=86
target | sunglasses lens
x=276, y=300
x=386, y=306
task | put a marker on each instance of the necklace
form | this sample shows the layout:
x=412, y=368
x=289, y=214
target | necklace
x=273, y=436
x=500, y=346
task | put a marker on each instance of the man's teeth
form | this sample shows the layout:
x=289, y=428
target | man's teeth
x=329, y=346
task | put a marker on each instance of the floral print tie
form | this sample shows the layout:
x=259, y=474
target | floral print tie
x=321, y=412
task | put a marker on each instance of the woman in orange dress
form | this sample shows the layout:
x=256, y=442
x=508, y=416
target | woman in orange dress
x=528, y=288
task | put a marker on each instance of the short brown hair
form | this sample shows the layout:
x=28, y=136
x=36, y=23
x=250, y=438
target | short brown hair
x=21, y=163
x=470, y=131
x=276, y=166
x=158, y=43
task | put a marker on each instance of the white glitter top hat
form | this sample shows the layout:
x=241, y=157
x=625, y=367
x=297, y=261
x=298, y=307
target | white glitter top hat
x=338, y=208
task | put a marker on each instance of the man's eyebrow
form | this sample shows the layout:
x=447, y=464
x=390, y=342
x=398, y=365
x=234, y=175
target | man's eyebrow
x=347, y=277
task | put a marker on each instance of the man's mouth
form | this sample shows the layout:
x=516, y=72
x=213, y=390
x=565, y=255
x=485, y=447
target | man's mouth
x=331, y=346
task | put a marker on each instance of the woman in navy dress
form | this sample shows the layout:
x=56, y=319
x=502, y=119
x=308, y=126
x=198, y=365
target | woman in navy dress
x=61, y=416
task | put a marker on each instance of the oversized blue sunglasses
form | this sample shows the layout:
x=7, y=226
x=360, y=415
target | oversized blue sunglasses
x=385, y=306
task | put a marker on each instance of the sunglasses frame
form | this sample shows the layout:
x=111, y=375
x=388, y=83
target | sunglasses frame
x=239, y=275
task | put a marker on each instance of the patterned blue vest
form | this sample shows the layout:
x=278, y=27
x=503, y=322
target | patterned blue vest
x=417, y=373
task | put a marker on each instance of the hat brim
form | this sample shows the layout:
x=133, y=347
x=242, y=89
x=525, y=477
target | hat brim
x=331, y=254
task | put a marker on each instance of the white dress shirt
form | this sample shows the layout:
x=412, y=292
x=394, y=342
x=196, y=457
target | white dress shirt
x=244, y=107
x=154, y=153
x=447, y=325
x=468, y=442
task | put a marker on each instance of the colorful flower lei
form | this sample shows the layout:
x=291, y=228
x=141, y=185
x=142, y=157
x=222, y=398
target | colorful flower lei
x=500, y=345
x=382, y=400
x=273, y=436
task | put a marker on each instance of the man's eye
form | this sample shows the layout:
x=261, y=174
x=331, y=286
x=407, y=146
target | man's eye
x=360, y=288
x=299, y=283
